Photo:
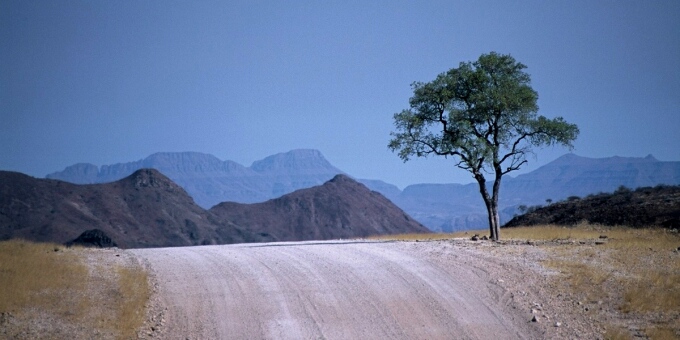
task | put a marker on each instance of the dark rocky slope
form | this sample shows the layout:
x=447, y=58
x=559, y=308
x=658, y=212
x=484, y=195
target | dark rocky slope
x=340, y=208
x=643, y=207
x=145, y=209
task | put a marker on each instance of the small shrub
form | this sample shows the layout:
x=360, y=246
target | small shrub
x=622, y=189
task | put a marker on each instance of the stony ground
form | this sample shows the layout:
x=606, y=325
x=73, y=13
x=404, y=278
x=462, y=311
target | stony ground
x=555, y=282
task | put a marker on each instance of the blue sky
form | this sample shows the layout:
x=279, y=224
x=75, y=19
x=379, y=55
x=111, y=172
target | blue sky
x=104, y=82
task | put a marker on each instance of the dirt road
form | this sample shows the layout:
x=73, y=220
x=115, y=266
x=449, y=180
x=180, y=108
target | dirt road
x=334, y=290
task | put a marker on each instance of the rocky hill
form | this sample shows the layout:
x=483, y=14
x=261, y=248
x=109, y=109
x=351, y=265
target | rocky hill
x=440, y=207
x=340, y=208
x=643, y=207
x=147, y=209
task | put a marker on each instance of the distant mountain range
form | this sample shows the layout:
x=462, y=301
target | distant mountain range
x=451, y=207
x=211, y=181
x=147, y=209
x=440, y=207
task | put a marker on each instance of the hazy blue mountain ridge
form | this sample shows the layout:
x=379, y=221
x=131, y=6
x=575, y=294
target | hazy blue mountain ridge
x=452, y=207
x=210, y=180
x=440, y=207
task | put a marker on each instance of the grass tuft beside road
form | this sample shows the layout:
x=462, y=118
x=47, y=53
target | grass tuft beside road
x=48, y=291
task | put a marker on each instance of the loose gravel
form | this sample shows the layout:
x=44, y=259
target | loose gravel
x=450, y=289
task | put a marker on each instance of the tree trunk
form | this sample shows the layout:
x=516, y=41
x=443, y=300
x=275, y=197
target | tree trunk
x=492, y=220
x=491, y=206
x=496, y=235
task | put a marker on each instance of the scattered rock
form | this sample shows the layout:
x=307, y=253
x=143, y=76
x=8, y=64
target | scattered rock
x=534, y=319
x=5, y=317
x=485, y=238
x=603, y=236
x=558, y=324
x=475, y=237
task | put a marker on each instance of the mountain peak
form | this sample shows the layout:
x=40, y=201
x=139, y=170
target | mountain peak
x=79, y=173
x=569, y=158
x=299, y=160
x=153, y=178
x=186, y=155
x=573, y=159
x=339, y=178
x=339, y=208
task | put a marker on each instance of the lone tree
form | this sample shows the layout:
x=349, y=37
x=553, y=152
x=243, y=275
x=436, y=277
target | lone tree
x=484, y=115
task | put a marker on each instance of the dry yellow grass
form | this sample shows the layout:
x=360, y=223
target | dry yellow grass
x=642, y=258
x=36, y=275
x=428, y=236
x=582, y=231
x=48, y=291
x=133, y=284
x=636, y=270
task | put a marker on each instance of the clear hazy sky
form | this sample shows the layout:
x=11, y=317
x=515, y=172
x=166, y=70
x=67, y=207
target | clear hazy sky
x=104, y=82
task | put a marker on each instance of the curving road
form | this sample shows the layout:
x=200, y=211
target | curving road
x=331, y=290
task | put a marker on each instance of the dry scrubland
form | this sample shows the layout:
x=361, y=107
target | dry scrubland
x=48, y=291
x=628, y=283
x=633, y=276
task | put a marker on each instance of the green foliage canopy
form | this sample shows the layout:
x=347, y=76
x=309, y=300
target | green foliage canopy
x=482, y=113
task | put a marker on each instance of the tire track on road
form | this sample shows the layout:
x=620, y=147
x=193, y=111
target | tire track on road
x=331, y=290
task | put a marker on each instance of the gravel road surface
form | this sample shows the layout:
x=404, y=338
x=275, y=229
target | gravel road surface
x=334, y=290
